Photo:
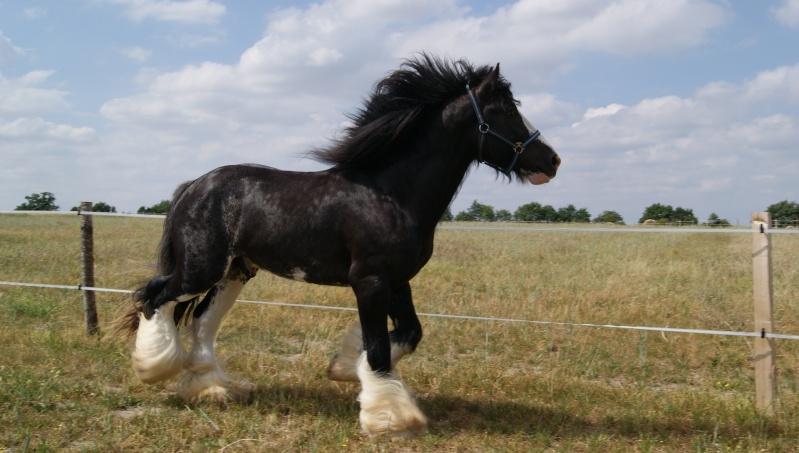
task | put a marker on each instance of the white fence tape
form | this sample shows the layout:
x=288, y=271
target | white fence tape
x=730, y=333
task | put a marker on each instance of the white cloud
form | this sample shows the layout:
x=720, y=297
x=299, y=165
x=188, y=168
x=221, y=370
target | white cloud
x=34, y=12
x=301, y=47
x=608, y=110
x=717, y=106
x=277, y=80
x=8, y=51
x=780, y=84
x=546, y=110
x=186, y=40
x=23, y=96
x=31, y=144
x=187, y=11
x=788, y=13
x=632, y=27
x=39, y=128
x=138, y=54
x=549, y=34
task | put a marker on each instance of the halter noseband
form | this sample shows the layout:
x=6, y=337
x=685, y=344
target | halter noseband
x=484, y=128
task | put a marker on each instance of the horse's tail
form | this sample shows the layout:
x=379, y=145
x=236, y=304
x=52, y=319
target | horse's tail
x=143, y=297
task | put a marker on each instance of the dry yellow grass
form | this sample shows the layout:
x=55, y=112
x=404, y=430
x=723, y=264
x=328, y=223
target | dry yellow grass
x=486, y=386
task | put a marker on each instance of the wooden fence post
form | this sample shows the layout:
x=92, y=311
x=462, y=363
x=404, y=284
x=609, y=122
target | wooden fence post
x=765, y=353
x=87, y=269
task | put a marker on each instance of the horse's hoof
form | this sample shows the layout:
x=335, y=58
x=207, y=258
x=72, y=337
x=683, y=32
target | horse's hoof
x=342, y=365
x=342, y=368
x=394, y=423
x=204, y=382
x=241, y=392
x=388, y=406
x=222, y=395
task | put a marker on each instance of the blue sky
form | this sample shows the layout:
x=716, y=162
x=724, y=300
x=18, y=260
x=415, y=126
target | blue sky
x=690, y=103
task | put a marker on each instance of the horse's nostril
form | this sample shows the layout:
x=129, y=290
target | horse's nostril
x=556, y=161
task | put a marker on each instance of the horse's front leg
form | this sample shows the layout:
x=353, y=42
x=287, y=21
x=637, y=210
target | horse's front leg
x=387, y=404
x=404, y=338
x=407, y=331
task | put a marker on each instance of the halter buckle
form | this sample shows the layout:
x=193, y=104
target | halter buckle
x=519, y=148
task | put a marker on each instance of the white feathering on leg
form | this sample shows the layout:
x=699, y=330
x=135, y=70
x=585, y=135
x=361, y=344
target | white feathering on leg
x=159, y=354
x=387, y=405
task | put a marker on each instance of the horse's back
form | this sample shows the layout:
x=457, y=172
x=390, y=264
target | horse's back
x=285, y=222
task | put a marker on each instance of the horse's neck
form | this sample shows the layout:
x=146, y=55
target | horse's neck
x=429, y=179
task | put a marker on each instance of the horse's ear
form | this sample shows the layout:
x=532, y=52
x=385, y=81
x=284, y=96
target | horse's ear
x=484, y=89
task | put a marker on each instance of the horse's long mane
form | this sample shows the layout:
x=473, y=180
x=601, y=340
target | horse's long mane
x=396, y=101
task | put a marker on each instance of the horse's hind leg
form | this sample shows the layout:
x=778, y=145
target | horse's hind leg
x=158, y=354
x=203, y=379
x=405, y=337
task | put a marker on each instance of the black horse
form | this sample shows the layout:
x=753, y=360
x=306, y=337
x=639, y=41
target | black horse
x=367, y=222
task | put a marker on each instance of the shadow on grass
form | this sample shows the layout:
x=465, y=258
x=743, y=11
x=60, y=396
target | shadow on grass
x=452, y=415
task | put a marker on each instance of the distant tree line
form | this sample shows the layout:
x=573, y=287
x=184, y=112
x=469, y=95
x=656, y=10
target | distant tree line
x=530, y=212
x=783, y=214
x=159, y=208
x=100, y=206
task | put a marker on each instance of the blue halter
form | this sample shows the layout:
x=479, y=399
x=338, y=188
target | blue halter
x=484, y=128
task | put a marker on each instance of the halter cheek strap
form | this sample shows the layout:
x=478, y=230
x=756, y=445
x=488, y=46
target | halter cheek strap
x=485, y=129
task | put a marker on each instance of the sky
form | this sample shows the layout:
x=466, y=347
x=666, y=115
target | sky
x=688, y=103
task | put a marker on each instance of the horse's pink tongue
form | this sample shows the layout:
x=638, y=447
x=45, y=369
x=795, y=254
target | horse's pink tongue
x=538, y=179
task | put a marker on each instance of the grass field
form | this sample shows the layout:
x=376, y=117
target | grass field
x=485, y=385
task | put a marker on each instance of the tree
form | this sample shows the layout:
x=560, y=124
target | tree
x=477, y=212
x=100, y=206
x=503, y=215
x=572, y=214
x=534, y=212
x=657, y=212
x=713, y=220
x=158, y=208
x=530, y=212
x=566, y=214
x=784, y=213
x=609, y=217
x=682, y=216
x=447, y=216
x=582, y=216
x=667, y=214
x=44, y=201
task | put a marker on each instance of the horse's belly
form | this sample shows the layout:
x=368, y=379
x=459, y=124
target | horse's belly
x=333, y=274
x=316, y=277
